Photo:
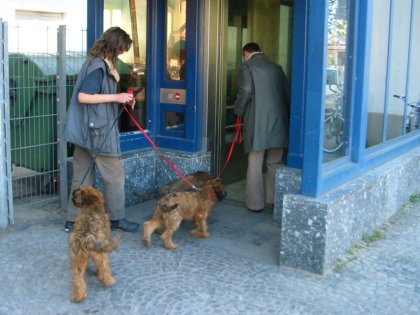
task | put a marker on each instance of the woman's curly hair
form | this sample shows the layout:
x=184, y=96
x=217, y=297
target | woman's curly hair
x=113, y=42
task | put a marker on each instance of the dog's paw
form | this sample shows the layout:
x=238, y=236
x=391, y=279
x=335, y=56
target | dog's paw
x=78, y=298
x=146, y=243
x=117, y=239
x=109, y=282
x=171, y=246
x=197, y=234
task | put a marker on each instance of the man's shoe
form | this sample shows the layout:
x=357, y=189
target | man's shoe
x=256, y=211
x=68, y=226
x=124, y=225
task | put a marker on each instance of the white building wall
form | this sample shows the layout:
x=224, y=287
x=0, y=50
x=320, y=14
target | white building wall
x=33, y=24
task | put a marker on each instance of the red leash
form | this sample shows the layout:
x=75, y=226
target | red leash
x=236, y=139
x=158, y=150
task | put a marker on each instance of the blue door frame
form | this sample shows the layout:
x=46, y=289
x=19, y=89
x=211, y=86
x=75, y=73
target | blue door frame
x=190, y=139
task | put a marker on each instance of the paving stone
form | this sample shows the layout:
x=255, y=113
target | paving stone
x=233, y=272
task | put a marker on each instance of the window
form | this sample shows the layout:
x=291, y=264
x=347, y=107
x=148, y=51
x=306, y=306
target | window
x=132, y=17
x=337, y=100
x=176, y=15
x=36, y=16
x=390, y=75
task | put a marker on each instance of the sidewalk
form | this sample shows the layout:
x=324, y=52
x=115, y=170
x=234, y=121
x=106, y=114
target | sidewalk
x=236, y=271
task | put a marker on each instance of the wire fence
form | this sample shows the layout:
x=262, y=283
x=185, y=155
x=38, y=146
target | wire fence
x=35, y=103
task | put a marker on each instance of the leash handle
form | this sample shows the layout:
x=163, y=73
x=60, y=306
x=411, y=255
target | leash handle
x=158, y=150
x=134, y=92
x=236, y=139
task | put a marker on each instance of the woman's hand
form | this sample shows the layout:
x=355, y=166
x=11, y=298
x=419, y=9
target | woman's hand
x=124, y=98
x=132, y=103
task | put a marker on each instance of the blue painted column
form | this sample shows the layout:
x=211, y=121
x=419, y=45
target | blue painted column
x=314, y=95
x=95, y=21
x=308, y=83
x=295, y=153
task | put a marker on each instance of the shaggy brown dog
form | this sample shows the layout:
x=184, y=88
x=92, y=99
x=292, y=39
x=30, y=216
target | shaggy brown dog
x=198, y=179
x=90, y=237
x=193, y=206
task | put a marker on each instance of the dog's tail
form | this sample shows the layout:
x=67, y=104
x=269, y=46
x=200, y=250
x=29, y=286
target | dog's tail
x=102, y=247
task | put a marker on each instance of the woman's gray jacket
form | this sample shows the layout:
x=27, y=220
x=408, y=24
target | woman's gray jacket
x=89, y=125
x=263, y=100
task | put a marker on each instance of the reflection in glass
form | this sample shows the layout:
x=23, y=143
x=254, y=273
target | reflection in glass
x=176, y=36
x=378, y=68
x=399, y=37
x=132, y=17
x=335, y=136
x=174, y=121
x=412, y=121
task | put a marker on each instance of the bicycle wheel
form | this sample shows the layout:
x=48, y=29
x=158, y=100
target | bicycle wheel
x=333, y=133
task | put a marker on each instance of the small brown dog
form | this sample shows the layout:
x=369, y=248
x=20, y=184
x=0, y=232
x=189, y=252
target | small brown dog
x=193, y=206
x=90, y=237
x=198, y=179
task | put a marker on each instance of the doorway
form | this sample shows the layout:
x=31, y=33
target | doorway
x=270, y=24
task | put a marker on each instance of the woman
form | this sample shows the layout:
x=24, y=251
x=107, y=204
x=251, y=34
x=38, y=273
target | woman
x=90, y=125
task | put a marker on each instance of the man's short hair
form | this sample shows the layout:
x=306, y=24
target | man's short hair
x=251, y=48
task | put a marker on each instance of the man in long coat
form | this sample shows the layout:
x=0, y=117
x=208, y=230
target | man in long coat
x=263, y=102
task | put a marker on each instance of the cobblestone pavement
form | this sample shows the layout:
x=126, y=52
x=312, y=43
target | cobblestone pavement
x=234, y=272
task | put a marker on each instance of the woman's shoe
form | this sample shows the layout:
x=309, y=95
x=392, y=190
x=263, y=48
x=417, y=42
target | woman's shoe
x=68, y=226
